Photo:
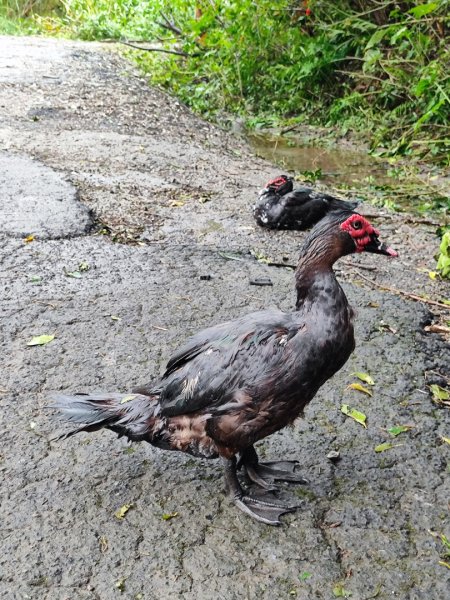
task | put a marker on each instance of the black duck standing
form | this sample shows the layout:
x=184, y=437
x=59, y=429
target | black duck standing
x=279, y=206
x=236, y=383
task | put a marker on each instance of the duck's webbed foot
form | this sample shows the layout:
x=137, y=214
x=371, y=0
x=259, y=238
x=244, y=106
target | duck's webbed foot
x=265, y=474
x=261, y=508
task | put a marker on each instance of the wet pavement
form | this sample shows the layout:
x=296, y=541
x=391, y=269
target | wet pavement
x=170, y=197
x=38, y=201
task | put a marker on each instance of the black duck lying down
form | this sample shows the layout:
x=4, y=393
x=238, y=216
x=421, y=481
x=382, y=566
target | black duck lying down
x=238, y=382
x=279, y=206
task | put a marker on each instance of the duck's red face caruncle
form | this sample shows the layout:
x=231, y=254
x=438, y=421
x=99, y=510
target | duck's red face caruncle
x=281, y=184
x=365, y=236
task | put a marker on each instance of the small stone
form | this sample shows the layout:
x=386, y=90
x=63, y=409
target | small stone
x=334, y=455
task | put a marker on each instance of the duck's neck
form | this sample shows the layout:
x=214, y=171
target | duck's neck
x=315, y=278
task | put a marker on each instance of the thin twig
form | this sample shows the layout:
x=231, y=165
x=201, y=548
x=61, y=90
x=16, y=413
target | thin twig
x=169, y=25
x=45, y=303
x=408, y=220
x=403, y=293
x=438, y=373
x=360, y=75
x=437, y=329
x=217, y=16
x=159, y=328
x=356, y=266
x=277, y=264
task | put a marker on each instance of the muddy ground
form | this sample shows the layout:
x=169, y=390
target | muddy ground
x=152, y=199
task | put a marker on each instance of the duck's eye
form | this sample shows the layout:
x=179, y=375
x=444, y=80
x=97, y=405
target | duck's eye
x=357, y=225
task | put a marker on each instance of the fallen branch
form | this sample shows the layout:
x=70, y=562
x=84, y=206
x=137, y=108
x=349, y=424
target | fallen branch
x=153, y=49
x=403, y=293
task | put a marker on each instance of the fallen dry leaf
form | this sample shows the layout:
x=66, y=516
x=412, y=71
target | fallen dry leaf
x=103, y=542
x=359, y=388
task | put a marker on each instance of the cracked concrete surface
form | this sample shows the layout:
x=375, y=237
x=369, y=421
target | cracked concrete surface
x=171, y=197
x=38, y=201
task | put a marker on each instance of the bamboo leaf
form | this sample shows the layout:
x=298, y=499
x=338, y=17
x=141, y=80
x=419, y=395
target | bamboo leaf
x=74, y=274
x=359, y=388
x=40, y=340
x=439, y=393
x=383, y=447
x=168, y=516
x=398, y=429
x=364, y=377
x=423, y=9
x=356, y=415
x=376, y=38
x=122, y=511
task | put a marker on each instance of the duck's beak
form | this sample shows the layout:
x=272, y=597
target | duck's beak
x=377, y=247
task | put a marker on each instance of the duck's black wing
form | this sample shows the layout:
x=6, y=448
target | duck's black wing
x=222, y=364
x=279, y=206
x=304, y=207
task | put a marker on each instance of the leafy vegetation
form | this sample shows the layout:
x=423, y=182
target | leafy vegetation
x=443, y=264
x=381, y=67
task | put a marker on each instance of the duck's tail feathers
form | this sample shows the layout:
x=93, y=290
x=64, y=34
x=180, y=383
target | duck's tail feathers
x=131, y=415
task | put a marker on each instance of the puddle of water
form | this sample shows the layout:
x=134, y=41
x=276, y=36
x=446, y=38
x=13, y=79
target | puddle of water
x=338, y=166
x=346, y=168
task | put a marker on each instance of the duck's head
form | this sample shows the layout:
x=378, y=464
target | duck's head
x=339, y=233
x=280, y=185
x=364, y=236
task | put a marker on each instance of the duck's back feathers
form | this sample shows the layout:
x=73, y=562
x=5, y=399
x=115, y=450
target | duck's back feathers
x=279, y=206
x=215, y=367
